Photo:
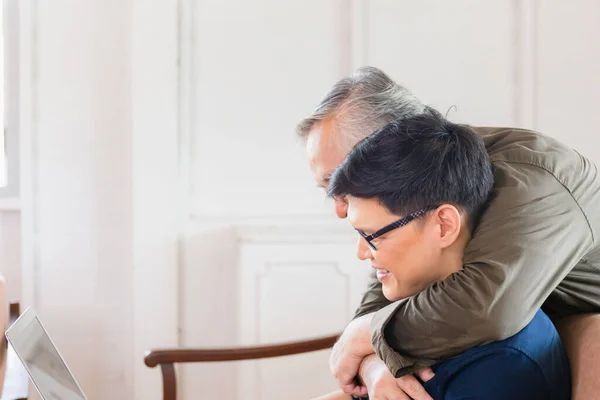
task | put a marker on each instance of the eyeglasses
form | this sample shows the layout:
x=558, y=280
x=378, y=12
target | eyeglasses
x=394, y=225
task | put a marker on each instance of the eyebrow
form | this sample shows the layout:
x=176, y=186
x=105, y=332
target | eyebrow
x=364, y=229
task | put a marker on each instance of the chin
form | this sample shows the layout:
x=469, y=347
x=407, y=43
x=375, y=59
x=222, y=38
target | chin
x=395, y=294
x=392, y=294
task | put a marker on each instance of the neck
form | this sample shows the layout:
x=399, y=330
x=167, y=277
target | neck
x=453, y=257
x=453, y=262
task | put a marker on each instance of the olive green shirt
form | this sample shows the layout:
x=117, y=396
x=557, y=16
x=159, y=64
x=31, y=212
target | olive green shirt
x=536, y=245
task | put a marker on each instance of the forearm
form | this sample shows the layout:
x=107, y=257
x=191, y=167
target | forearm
x=367, y=366
x=349, y=351
x=581, y=337
x=359, y=332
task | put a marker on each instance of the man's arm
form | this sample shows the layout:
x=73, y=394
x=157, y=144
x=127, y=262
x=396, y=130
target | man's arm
x=579, y=334
x=381, y=384
x=527, y=241
x=353, y=355
x=373, y=299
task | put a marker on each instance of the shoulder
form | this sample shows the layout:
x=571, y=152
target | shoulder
x=532, y=361
x=518, y=154
x=530, y=166
x=496, y=373
x=530, y=148
x=522, y=145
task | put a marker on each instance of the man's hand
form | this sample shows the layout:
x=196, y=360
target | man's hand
x=349, y=351
x=381, y=384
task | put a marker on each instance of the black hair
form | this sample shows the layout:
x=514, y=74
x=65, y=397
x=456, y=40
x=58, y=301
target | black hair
x=416, y=162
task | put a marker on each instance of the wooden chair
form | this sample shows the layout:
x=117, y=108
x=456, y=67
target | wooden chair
x=168, y=358
x=14, y=311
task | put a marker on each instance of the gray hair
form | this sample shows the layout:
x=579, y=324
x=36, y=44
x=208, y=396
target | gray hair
x=361, y=104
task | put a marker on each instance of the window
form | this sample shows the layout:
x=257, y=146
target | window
x=3, y=166
x=9, y=101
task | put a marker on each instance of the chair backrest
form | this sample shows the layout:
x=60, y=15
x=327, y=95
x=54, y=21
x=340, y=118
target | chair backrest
x=14, y=311
x=16, y=379
x=168, y=358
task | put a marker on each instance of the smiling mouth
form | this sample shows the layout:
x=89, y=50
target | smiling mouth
x=378, y=268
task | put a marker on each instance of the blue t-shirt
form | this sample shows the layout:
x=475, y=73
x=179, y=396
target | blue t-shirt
x=530, y=365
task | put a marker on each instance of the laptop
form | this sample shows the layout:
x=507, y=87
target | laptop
x=40, y=357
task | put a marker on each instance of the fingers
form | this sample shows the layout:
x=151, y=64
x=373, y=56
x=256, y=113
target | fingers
x=345, y=381
x=384, y=389
x=349, y=388
x=412, y=387
x=344, y=368
x=337, y=395
x=399, y=396
x=359, y=391
x=425, y=374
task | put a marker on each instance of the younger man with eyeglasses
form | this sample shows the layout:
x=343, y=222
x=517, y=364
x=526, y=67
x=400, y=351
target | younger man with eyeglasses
x=415, y=189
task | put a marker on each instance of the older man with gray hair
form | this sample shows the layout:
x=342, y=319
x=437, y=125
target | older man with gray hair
x=536, y=245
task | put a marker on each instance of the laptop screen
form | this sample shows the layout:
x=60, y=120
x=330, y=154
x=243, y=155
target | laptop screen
x=40, y=357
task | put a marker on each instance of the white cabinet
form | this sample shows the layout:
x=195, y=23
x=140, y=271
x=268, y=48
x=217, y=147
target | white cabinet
x=292, y=292
x=263, y=283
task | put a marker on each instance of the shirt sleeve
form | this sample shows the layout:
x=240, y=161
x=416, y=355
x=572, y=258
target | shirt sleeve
x=531, y=235
x=373, y=299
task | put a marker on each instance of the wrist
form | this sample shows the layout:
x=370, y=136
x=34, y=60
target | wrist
x=361, y=339
x=367, y=365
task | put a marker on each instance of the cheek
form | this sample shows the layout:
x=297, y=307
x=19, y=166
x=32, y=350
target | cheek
x=400, y=253
x=391, y=259
x=409, y=263
x=407, y=269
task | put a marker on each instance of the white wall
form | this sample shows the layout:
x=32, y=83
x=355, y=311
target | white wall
x=163, y=190
x=99, y=156
x=10, y=98
x=10, y=252
x=10, y=220
x=76, y=185
x=529, y=63
x=155, y=185
x=566, y=83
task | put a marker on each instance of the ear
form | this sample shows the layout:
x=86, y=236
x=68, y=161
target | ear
x=450, y=224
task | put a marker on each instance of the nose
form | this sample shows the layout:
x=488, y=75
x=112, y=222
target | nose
x=341, y=207
x=363, y=251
